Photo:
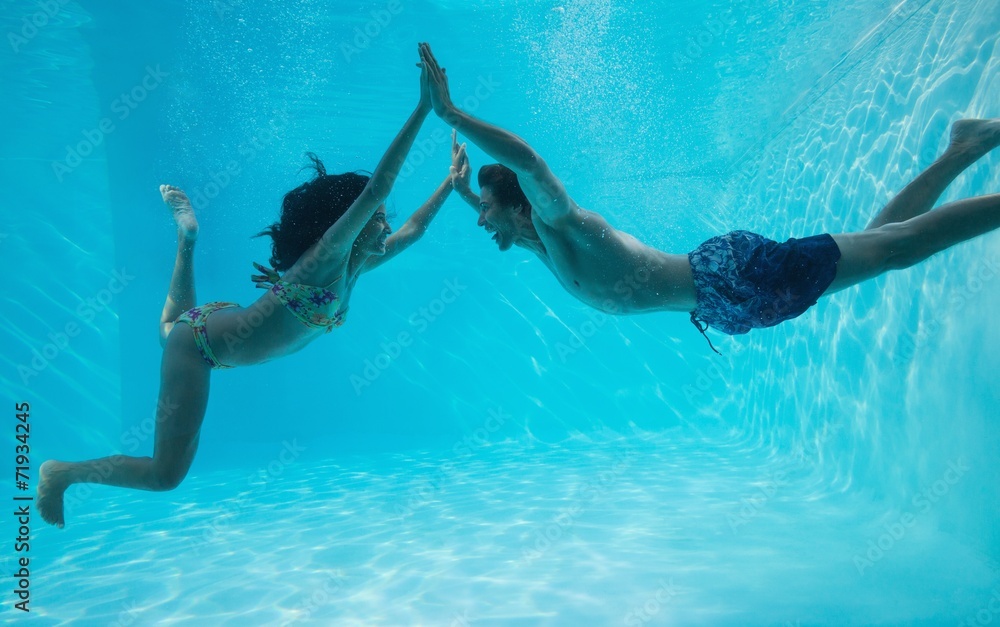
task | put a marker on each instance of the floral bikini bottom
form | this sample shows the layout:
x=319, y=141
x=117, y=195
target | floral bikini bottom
x=308, y=303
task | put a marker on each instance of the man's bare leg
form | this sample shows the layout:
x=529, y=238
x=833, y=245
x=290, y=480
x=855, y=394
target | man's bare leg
x=970, y=141
x=181, y=296
x=867, y=254
x=184, y=379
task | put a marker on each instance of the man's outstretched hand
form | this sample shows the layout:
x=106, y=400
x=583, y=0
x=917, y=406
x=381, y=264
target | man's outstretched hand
x=460, y=173
x=437, y=82
x=424, y=103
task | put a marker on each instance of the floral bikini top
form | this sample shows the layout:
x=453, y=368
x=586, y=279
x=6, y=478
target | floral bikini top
x=306, y=302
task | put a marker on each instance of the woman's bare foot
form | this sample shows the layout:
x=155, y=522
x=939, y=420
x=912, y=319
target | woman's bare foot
x=177, y=200
x=975, y=136
x=52, y=483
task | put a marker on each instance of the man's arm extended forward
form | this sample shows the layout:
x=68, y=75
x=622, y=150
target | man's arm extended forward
x=461, y=173
x=546, y=193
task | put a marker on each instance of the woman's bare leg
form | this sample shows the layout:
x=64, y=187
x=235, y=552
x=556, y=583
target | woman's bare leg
x=184, y=383
x=180, y=296
x=867, y=254
x=970, y=141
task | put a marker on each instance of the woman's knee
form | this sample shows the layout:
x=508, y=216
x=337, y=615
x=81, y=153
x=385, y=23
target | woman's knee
x=163, y=478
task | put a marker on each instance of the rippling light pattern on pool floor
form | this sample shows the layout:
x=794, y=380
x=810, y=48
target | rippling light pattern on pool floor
x=626, y=531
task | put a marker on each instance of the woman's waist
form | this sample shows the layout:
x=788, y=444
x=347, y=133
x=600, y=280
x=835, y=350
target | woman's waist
x=265, y=330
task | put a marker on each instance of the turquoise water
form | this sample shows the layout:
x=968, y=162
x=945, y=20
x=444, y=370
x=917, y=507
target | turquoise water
x=524, y=461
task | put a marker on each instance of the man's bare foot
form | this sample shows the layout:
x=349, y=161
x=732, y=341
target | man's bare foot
x=177, y=200
x=975, y=136
x=52, y=484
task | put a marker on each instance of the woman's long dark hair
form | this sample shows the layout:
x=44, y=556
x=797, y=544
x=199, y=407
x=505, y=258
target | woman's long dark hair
x=309, y=210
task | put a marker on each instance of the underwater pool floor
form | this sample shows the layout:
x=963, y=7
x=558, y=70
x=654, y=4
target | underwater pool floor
x=653, y=530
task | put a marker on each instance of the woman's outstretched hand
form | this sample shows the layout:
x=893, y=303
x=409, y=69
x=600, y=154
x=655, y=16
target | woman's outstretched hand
x=460, y=174
x=424, y=104
x=437, y=82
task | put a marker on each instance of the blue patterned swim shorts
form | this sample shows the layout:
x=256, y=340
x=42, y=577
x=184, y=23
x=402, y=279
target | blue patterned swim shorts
x=745, y=281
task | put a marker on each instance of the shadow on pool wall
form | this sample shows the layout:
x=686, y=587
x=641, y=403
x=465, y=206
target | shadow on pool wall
x=63, y=289
x=892, y=383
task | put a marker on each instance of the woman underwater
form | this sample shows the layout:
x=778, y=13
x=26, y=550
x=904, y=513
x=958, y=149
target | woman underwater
x=332, y=230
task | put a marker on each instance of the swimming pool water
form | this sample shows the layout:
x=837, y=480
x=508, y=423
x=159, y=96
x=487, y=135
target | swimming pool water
x=837, y=469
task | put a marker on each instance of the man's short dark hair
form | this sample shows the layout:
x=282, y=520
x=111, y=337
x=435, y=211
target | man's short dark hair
x=502, y=182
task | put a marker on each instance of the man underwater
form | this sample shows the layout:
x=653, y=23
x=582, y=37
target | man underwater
x=734, y=282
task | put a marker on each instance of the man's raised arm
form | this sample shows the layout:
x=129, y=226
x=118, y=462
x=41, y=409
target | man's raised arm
x=546, y=192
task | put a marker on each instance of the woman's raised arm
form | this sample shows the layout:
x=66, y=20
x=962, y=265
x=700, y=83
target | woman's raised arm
x=341, y=235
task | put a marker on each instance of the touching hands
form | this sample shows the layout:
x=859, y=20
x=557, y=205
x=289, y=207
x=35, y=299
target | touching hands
x=460, y=173
x=437, y=82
